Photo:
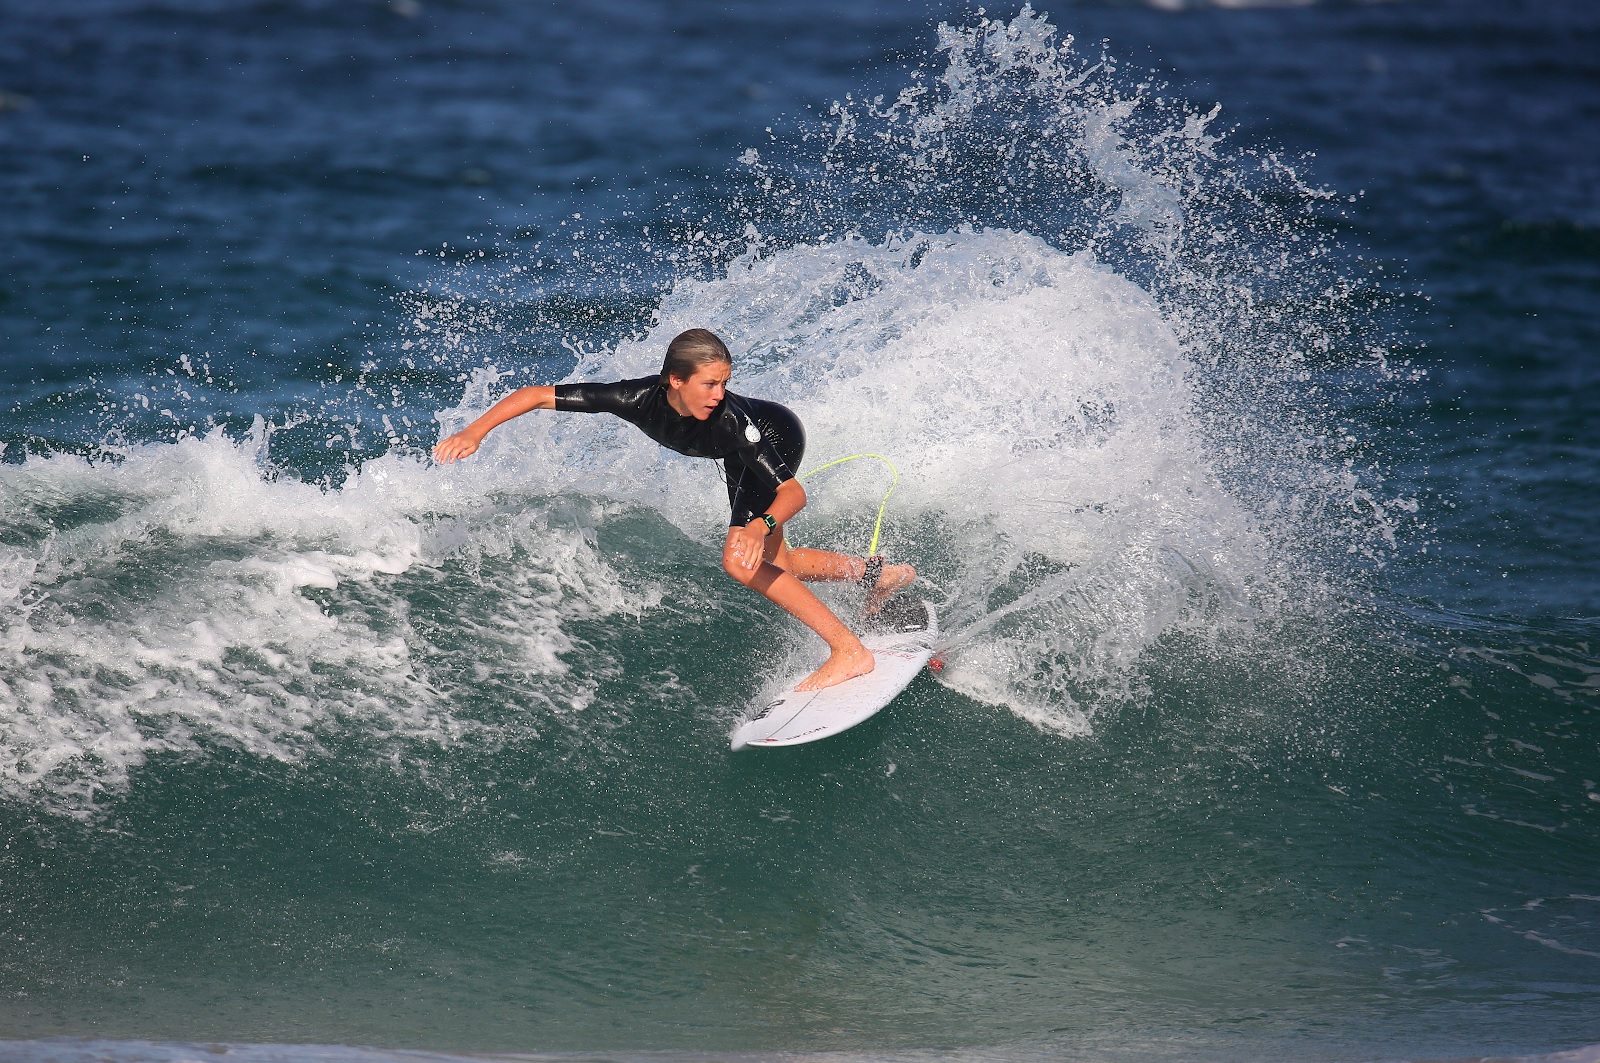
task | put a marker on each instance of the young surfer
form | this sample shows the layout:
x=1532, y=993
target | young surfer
x=688, y=408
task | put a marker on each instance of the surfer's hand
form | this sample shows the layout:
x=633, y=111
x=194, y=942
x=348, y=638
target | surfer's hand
x=458, y=446
x=748, y=545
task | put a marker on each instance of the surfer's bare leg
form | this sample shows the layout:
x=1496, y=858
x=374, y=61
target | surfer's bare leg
x=847, y=657
x=817, y=566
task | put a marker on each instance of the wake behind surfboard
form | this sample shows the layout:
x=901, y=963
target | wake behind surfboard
x=901, y=637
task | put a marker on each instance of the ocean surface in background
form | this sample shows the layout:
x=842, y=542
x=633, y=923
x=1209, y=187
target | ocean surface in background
x=1237, y=359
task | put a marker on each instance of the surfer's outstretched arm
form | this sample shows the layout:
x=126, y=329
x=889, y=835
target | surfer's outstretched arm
x=465, y=442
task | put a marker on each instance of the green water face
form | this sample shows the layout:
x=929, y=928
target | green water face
x=1285, y=839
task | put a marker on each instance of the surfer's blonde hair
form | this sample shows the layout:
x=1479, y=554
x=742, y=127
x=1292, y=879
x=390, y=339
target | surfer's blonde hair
x=690, y=350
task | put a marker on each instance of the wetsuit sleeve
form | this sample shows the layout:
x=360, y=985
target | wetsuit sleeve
x=618, y=398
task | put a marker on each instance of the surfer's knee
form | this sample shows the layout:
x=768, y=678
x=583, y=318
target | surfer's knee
x=734, y=566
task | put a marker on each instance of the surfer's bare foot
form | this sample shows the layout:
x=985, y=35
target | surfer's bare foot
x=894, y=577
x=840, y=666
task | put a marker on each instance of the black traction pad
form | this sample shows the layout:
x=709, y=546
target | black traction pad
x=898, y=614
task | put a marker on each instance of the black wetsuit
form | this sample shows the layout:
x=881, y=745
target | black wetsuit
x=760, y=443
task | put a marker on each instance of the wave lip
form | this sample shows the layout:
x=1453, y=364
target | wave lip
x=1056, y=482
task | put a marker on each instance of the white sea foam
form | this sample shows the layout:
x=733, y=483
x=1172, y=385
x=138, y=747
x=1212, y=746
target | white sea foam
x=160, y=603
x=1038, y=409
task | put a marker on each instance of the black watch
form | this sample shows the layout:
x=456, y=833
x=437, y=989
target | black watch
x=772, y=525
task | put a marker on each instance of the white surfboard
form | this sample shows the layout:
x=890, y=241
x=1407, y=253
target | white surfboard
x=901, y=638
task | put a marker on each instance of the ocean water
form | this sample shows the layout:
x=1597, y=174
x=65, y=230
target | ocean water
x=1236, y=360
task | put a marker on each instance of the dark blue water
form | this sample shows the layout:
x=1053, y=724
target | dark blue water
x=1249, y=455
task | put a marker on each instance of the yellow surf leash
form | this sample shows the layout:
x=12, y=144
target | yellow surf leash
x=877, y=527
x=936, y=662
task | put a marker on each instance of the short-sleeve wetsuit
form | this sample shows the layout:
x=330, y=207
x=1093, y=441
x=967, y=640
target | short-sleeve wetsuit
x=760, y=443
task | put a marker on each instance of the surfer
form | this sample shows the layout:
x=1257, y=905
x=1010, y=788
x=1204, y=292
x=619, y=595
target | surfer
x=688, y=408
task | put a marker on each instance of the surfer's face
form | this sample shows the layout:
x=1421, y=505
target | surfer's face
x=702, y=393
